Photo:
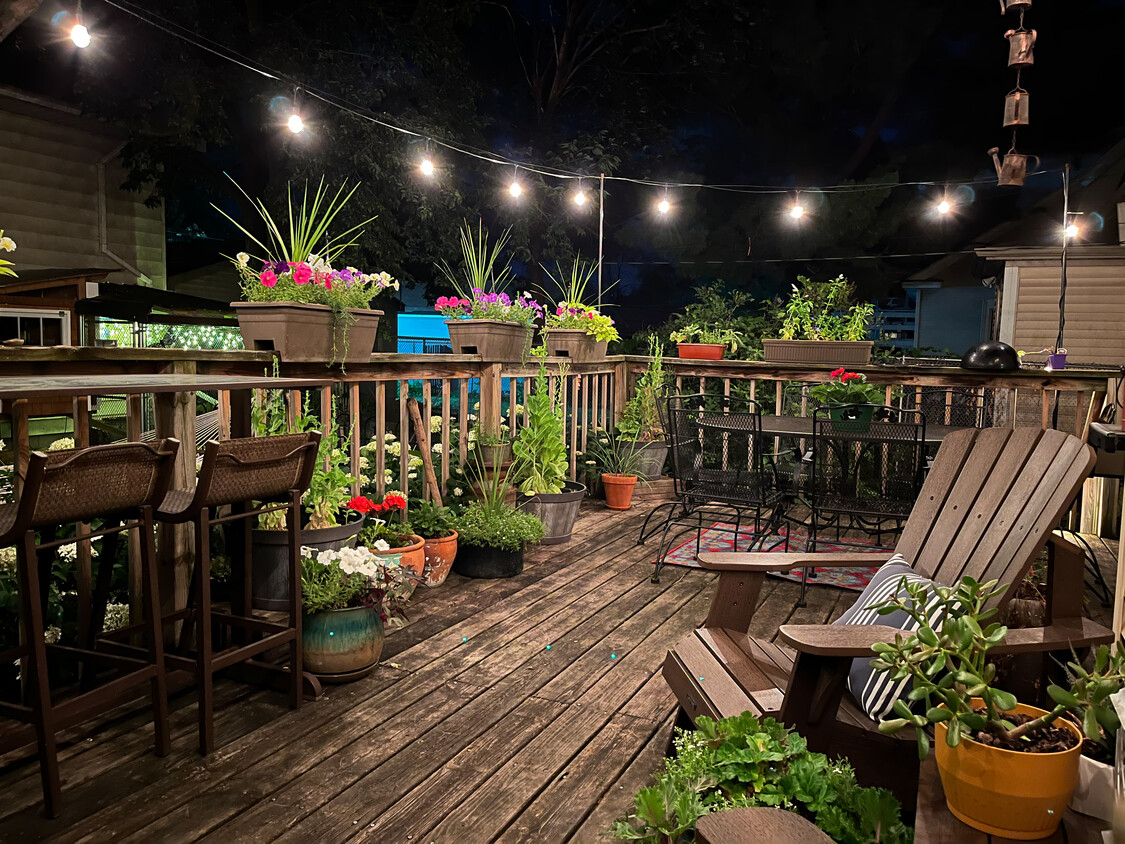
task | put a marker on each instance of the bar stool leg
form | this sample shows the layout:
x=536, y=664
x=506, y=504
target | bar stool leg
x=154, y=629
x=40, y=690
x=204, y=670
x=296, y=673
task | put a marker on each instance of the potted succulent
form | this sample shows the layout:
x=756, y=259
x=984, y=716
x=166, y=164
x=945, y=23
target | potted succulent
x=849, y=399
x=482, y=319
x=541, y=464
x=1008, y=769
x=492, y=535
x=705, y=342
x=641, y=422
x=382, y=525
x=821, y=324
x=436, y=526
x=297, y=303
x=619, y=462
x=575, y=330
x=347, y=596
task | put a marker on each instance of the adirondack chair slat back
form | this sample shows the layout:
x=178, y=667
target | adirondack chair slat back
x=991, y=500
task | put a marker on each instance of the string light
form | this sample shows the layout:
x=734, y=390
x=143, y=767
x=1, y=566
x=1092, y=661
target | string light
x=1072, y=231
x=295, y=123
x=80, y=35
x=944, y=207
x=580, y=198
x=427, y=166
x=515, y=189
x=797, y=210
x=664, y=205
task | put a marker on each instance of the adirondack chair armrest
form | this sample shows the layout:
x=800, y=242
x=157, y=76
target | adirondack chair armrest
x=764, y=562
x=1064, y=635
x=836, y=640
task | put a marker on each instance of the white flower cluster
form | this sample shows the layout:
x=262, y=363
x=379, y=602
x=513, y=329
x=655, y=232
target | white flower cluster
x=8, y=562
x=51, y=635
x=437, y=448
x=435, y=424
x=69, y=552
x=116, y=617
x=63, y=444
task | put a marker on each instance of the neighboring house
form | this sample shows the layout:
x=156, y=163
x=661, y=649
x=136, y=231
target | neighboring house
x=954, y=306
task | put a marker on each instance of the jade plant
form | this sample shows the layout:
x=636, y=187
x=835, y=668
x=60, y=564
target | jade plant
x=541, y=461
x=746, y=761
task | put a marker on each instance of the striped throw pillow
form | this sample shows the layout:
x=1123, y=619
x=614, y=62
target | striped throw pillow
x=875, y=691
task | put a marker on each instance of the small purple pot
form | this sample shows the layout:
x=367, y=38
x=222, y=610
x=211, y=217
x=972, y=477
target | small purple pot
x=1055, y=362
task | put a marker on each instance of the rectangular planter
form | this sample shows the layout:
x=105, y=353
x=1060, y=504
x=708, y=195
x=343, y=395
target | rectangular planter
x=492, y=339
x=575, y=344
x=304, y=333
x=842, y=352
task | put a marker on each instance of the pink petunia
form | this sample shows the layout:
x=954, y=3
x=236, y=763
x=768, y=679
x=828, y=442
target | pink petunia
x=268, y=278
x=302, y=273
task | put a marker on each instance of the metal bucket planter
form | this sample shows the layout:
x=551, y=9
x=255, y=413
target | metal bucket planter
x=482, y=562
x=271, y=559
x=650, y=459
x=557, y=511
x=492, y=339
x=440, y=554
x=341, y=645
x=575, y=344
x=306, y=333
x=840, y=352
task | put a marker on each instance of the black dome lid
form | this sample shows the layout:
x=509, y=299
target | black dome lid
x=991, y=355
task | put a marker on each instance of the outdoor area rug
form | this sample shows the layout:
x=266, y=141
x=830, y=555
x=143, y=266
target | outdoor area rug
x=720, y=537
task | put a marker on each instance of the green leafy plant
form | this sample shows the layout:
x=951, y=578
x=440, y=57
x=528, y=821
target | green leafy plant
x=696, y=333
x=541, y=461
x=570, y=311
x=482, y=266
x=720, y=304
x=1088, y=698
x=746, y=761
x=431, y=521
x=614, y=454
x=489, y=522
x=847, y=388
x=823, y=311
x=640, y=421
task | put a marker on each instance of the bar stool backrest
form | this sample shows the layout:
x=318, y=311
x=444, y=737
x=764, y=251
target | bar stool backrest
x=258, y=468
x=103, y=481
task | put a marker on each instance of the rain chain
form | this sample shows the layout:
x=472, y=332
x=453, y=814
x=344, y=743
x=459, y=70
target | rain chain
x=1012, y=170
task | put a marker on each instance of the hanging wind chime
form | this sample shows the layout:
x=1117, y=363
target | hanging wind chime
x=1012, y=169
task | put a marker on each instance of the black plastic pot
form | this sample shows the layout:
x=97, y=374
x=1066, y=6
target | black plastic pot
x=475, y=561
x=557, y=511
x=271, y=559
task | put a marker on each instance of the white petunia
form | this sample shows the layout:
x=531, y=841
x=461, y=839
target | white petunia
x=381, y=545
x=7, y=244
x=457, y=491
x=242, y=258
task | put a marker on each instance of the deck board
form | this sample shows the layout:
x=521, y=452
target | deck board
x=471, y=729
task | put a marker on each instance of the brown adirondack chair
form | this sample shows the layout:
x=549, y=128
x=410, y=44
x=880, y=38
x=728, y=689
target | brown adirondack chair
x=989, y=504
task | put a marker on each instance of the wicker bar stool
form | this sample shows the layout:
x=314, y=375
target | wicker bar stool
x=274, y=472
x=121, y=485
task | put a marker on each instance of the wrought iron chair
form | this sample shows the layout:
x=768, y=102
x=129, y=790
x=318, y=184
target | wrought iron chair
x=120, y=485
x=722, y=466
x=867, y=466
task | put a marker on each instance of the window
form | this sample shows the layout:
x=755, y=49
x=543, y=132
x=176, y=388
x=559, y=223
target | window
x=35, y=327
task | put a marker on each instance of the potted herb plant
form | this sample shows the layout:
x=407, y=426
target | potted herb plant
x=821, y=324
x=541, y=464
x=1007, y=768
x=641, y=422
x=382, y=524
x=575, y=330
x=849, y=399
x=436, y=526
x=347, y=596
x=296, y=302
x=482, y=319
x=705, y=342
x=492, y=535
x=618, y=461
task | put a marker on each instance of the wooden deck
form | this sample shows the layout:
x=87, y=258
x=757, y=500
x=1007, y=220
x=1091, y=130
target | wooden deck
x=528, y=709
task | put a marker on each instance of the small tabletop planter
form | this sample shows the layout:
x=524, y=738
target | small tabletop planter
x=843, y=352
x=575, y=344
x=341, y=645
x=306, y=333
x=492, y=339
x=702, y=351
x=851, y=418
x=271, y=559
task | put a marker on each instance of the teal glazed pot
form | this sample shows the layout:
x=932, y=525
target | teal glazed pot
x=342, y=645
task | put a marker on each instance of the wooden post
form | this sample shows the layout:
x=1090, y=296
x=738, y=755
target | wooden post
x=491, y=384
x=620, y=392
x=84, y=567
x=134, y=428
x=175, y=417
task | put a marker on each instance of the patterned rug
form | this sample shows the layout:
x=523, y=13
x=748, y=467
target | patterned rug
x=720, y=537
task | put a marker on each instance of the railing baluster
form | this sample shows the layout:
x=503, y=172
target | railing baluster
x=381, y=438
x=427, y=412
x=576, y=382
x=404, y=439
x=586, y=388
x=355, y=433
x=463, y=420
x=445, y=456
x=224, y=414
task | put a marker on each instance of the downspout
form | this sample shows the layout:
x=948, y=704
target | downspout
x=103, y=217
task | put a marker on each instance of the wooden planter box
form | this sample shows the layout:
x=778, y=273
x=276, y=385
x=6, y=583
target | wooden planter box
x=489, y=338
x=575, y=344
x=842, y=352
x=304, y=333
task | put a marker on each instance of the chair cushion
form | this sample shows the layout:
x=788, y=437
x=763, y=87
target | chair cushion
x=874, y=690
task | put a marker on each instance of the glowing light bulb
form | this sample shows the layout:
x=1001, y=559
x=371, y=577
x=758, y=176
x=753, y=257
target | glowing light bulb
x=944, y=207
x=797, y=211
x=80, y=35
x=427, y=167
x=580, y=198
x=1072, y=231
x=296, y=124
x=515, y=189
x=664, y=206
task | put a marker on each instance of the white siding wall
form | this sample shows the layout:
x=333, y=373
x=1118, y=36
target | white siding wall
x=1095, y=311
x=49, y=198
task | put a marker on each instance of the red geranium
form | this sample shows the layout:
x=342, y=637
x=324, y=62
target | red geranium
x=394, y=502
x=362, y=504
x=837, y=372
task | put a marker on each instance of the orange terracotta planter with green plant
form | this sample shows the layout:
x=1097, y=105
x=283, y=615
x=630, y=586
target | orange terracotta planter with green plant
x=619, y=491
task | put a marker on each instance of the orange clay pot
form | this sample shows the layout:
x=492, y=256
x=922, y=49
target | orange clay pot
x=439, y=554
x=619, y=491
x=413, y=558
x=701, y=351
x=1005, y=792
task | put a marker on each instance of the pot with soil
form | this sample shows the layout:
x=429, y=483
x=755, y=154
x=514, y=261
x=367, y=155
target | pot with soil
x=557, y=511
x=271, y=558
x=485, y=562
x=343, y=644
x=619, y=491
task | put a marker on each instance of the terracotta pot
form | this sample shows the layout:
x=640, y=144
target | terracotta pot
x=413, y=558
x=492, y=339
x=270, y=552
x=839, y=352
x=701, y=351
x=1005, y=792
x=305, y=333
x=341, y=645
x=575, y=344
x=440, y=554
x=619, y=491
